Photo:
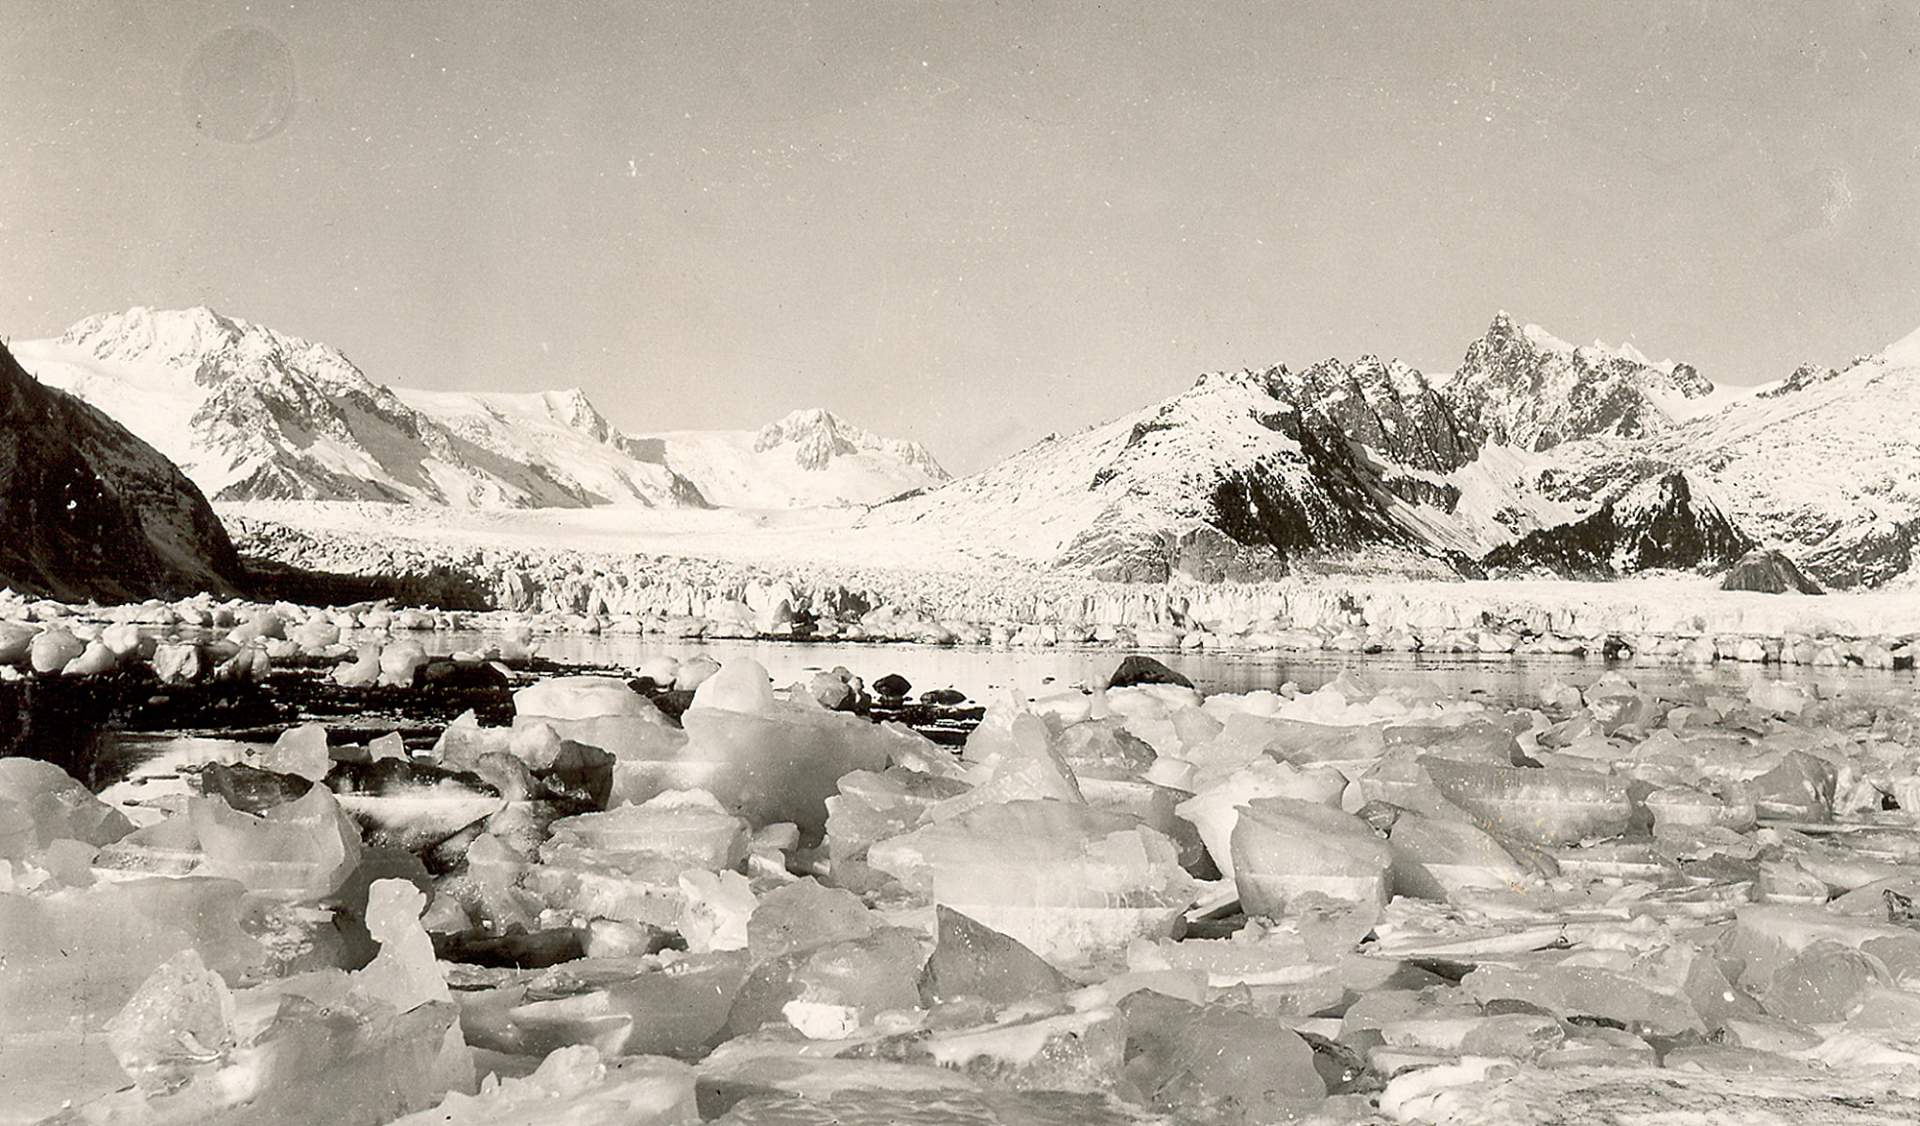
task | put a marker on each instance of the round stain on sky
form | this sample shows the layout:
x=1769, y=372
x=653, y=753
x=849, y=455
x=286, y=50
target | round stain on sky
x=238, y=86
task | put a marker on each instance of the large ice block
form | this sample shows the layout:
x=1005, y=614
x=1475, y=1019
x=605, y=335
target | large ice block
x=52, y=806
x=829, y=992
x=803, y=915
x=687, y=826
x=72, y=957
x=1072, y=883
x=1590, y=991
x=973, y=960
x=770, y=767
x=1434, y=858
x=1548, y=806
x=180, y=1019
x=1214, y=811
x=1285, y=848
x=741, y=685
x=1014, y=762
x=298, y=851
x=872, y=806
x=1215, y=1063
x=350, y=1061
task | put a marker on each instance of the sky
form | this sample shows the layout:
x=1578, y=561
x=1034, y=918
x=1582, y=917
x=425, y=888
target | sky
x=967, y=223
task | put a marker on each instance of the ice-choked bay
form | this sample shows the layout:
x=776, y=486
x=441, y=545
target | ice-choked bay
x=1378, y=897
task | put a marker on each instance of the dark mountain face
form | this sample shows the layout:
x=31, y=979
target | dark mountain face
x=1656, y=525
x=1386, y=406
x=89, y=511
x=1768, y=572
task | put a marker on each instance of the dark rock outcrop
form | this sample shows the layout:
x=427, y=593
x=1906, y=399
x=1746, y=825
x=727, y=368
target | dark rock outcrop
x=1769, y=572
x=1656, y=525
x=87, y=510
x=1144, y=670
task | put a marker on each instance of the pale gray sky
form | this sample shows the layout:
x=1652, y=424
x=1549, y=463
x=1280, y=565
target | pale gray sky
x=967, y=223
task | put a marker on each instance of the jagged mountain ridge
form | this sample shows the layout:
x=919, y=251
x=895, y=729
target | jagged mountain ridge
x=1522, y=386
x=1535, y=455
x=254, y=414
x=88, y=510
x=809, y=458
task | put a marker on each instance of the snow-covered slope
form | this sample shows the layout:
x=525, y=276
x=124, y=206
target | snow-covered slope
x=1825, y=464
x=254, y=414
x=564, y=434
x=1534, y=456
x=87, y=510
x=1243, y=476
x=808, y=459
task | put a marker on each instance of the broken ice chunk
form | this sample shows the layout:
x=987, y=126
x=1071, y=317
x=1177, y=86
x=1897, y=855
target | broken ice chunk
x=1435, y=858
x=1824, y=983
x=1215, y=810
x=404, y=973
x=299, y=750
x=1213, y=1061
x=777, y=766
x=973, y=960
x=295, y=852
x=688, y=826
x=576, y=1086
x=828, y=992
x=53, y=806
x=349, y=1061
x=1072, y=883
x=1799, y=788
x=1284, y=848
x=1684, y=805
x=716, y=911
x=181, y=1018
x=871, y=807
x=361, y=672
x=74, y=956
x=803, y=915
x=53, y=648
x=580, y=697
x=1538, y=805
x=1570, y=990
x=741, y=685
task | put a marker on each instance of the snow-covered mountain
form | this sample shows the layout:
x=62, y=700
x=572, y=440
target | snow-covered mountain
x=254, y=414
x=1247, y=475
x=1522, y=386
x=1654, y=524
x=808, y=459
x=1534, y=456
x=562, y=432
x=1824, y=464
x=87, y=510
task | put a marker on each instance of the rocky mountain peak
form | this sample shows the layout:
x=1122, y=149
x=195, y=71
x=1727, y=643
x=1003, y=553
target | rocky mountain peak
x=817, y=436
x=1526, y=387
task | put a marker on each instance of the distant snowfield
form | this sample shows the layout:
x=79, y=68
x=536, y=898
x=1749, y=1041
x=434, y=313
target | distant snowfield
x=835, y=540
x=804, y=535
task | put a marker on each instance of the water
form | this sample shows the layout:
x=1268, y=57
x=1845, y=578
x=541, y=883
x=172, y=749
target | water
x=152, y=761
x=988, y=675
